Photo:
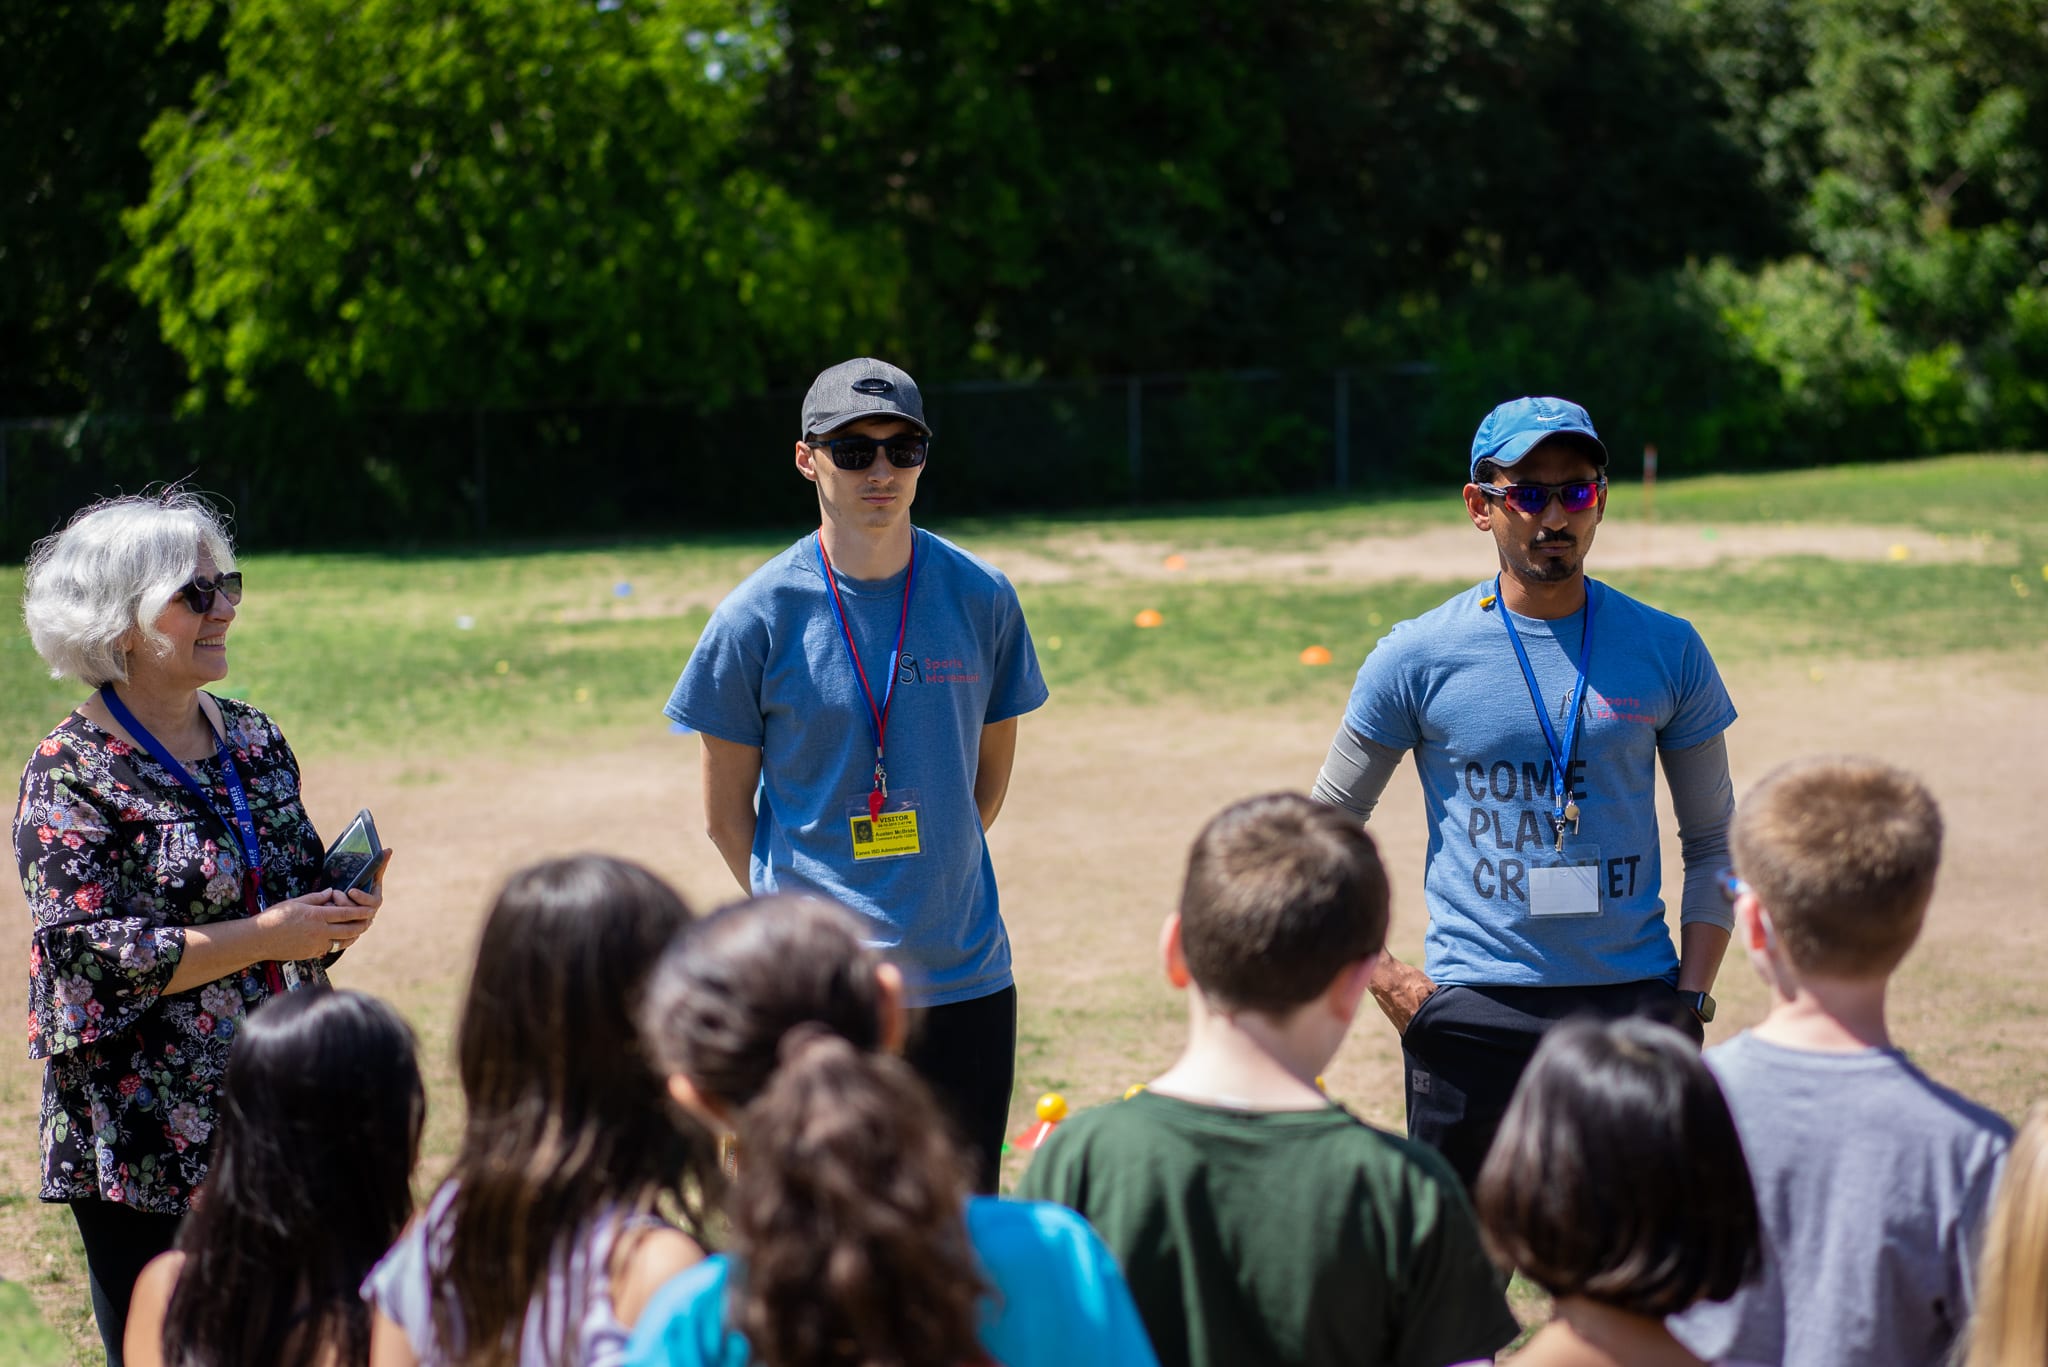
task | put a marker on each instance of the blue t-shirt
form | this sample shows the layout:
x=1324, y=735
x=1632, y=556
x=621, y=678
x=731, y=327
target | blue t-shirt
x=1059, y=1299
x=1447, y=685
x=772, y=671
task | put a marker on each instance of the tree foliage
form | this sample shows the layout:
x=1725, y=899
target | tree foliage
x=487, y=201
x=1157, y=183
x=1805, y=227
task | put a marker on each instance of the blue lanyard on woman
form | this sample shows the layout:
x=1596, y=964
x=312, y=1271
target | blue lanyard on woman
x=244, y=823
x=1562, y=809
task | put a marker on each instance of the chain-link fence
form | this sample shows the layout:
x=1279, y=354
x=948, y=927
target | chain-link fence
x=298, y=477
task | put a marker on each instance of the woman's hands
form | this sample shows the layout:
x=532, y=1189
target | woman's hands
x=318, y=924
x=314, y=926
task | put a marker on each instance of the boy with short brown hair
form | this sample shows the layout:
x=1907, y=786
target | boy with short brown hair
x=1257, y=1222
x=1872, y=1179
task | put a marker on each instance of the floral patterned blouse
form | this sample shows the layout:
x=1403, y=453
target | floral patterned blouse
x=117, y=858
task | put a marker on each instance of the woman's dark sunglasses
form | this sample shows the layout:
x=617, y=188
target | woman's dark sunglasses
x=1531, y=499
x=858, y=453
x=198, y=594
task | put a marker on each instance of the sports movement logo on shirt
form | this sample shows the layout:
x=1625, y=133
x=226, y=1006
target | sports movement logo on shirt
x=933, y=669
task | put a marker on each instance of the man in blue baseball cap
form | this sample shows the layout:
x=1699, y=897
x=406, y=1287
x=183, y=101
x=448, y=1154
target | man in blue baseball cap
x=1539, y=703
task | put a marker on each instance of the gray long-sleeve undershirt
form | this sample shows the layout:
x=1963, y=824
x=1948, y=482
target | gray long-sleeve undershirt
x=1702, y=794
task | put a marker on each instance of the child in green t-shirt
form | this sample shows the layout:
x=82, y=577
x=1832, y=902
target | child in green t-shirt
x=1255, y=1220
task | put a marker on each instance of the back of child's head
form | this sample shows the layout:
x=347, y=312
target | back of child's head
x=1842, y=853
x=1617, y=1174
x=318, y=1129
x=848, y=1205
x=2010, y=1327
x=568, y=1118
x=1282, y=894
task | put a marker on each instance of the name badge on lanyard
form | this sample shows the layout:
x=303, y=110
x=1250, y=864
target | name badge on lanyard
x=1565, y=884
x=889, y=833
x=878, y=826
x=1561, y=882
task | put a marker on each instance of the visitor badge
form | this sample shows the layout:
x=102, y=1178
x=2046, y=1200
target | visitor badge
x=1566, y=884
x=890, y=833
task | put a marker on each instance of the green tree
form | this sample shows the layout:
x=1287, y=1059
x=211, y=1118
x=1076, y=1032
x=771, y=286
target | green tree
x=489, y=202
x=1913, y=136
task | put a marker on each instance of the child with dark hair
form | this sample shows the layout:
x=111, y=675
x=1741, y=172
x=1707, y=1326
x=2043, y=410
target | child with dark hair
x=1257, y=1221
x=1617, y=1184
x=854, y=1238
x=547, y=1239
x=1873, y=1178
x=320, y=1113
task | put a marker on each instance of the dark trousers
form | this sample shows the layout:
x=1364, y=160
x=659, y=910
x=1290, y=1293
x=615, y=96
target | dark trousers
x=1467, y=1046
x=967, y=1053
x=119, y=1242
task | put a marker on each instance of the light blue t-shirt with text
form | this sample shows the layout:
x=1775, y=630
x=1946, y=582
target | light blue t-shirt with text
x=1447, y=686
x=772, y=670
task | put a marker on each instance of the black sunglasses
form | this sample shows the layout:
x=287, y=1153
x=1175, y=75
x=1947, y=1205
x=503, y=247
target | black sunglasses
x=198, y=594
x=858, y=453
x=1531, y=499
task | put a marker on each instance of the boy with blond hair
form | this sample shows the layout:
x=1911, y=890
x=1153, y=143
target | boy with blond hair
x=1872, y=1179
x=1256, y=1221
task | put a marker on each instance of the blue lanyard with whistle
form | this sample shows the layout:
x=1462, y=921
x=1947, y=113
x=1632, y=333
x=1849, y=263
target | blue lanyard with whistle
x=878, y=716
x=1562, y=808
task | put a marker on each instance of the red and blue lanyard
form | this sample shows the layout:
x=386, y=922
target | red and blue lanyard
x=1560, y=755
x=243, y=824
x=878, y=716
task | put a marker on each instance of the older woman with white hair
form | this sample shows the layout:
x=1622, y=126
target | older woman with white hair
x=170, y=869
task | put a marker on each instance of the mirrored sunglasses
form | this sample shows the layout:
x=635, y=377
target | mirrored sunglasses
x=1531, y=499
x=198, y=594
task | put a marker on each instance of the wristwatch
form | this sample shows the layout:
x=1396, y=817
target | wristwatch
x=1701, y=1004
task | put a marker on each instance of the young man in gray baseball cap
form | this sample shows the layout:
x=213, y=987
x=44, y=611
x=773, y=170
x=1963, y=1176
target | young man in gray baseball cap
x=1539, y=704
x=837, y=692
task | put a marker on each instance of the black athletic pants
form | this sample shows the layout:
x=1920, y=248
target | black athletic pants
x=967, y=1052
x=1467, y=1046
x=119, y=1242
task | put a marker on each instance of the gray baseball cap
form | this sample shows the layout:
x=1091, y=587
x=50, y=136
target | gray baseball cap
x=863, y=388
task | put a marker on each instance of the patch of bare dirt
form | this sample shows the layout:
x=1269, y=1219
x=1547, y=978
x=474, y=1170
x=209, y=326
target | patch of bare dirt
x=1453, y=552
x=1450, y=552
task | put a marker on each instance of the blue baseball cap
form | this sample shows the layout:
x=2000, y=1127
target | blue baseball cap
x=1514, y=429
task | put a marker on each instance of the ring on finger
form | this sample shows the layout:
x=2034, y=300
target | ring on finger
x=334, y=946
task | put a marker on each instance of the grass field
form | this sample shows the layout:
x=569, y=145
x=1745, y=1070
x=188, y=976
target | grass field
x=554, y=652
x=535, y=725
